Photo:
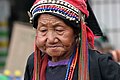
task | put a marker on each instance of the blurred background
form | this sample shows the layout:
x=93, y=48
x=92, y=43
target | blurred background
x=17, y=35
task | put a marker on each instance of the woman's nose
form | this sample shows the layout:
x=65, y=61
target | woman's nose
x=51, y=37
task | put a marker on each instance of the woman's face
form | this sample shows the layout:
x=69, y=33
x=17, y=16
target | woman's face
x=54, y=37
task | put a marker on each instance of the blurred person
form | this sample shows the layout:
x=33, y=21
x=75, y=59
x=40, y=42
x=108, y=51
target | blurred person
x=64, y=44
x=98, y=45
x=103, y=45
x=116, y=55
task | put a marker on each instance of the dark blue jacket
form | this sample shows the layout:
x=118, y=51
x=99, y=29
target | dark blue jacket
x=102, y=67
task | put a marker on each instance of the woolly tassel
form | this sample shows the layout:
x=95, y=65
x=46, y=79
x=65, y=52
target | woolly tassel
x=40, y=65
x=36, y=65
x=72, y=67
x=43, y=67
x=37, y=62
x=83, y=63
x=90, y=37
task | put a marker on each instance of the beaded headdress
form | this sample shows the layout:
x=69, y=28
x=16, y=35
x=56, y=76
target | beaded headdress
x=74, y=11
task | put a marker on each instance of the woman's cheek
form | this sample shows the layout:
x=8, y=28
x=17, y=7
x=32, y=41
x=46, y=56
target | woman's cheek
x=39, y=43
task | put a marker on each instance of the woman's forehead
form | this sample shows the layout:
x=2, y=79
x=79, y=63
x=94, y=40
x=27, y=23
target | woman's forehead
x=48, y=18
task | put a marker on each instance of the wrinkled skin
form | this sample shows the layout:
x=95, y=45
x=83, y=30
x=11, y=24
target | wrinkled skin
x=54, y=37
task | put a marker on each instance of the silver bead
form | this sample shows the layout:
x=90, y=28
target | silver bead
x=58, y=1
x=53, y=1
x=61, y=2
x=30, y=21
x=76, y=21
x=49, y=1
x=65, y=4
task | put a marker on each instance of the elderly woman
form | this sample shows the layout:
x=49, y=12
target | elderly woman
x=64, y=44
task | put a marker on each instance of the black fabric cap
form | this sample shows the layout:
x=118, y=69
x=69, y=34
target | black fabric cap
x=92, y=22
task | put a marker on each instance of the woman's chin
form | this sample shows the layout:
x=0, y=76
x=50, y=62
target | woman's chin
x=55, y=52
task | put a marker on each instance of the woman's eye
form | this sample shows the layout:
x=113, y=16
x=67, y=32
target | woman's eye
x=59, y=30
x=43, y=30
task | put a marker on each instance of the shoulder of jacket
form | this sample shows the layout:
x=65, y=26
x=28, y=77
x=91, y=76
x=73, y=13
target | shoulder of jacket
x=99, y=55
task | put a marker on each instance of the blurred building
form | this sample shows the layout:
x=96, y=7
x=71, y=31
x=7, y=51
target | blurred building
x=11, y=11
x=108, y=16
x=4, y=15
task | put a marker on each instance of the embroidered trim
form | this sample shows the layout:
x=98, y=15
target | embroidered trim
x=59, y=7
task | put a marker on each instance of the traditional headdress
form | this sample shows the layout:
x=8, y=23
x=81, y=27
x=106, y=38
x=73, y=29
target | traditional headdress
x=76, y=12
